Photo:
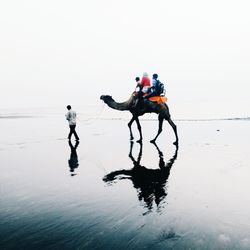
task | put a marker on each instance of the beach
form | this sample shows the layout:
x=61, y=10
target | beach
x=102, y=196
x=106, y=192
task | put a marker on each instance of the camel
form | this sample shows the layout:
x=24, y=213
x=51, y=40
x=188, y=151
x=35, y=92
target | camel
x=150, y=183
x=140, y=109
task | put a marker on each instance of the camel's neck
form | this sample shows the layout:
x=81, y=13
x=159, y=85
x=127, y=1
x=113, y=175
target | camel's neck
x=119, y=105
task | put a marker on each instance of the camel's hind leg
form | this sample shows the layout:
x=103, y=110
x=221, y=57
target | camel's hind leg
x=160, y=118
x=175, y=130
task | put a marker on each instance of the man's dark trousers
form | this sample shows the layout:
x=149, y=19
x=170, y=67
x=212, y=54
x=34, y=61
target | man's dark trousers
x=73, y=131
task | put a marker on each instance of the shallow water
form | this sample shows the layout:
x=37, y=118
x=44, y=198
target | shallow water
x=110, y=193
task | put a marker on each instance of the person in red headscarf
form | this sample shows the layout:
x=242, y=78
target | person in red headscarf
x=145, y=82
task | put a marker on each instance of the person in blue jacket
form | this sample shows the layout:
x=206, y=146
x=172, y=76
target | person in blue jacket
x=157, y=88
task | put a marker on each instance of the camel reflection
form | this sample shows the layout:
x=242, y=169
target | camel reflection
x=150, y=183
x=73, y=160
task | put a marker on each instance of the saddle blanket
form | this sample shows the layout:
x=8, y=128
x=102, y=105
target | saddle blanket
x=158, y=99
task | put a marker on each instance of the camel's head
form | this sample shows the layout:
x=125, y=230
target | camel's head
x=106, y=98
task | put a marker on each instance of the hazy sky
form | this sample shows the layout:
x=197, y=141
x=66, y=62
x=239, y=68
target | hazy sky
x=58, y=52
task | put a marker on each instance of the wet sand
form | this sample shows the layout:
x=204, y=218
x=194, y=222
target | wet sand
x=111, y=194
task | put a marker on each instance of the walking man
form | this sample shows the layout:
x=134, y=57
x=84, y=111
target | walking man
x=71, y=117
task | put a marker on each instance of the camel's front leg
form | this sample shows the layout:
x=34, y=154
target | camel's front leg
x=160, y=118
x=130, y=130
x=139, y=128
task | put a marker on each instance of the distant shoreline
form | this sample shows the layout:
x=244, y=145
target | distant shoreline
x=20, y=116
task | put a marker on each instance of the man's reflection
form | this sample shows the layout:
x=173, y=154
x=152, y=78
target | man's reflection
x=150, y=183
x=73, y=160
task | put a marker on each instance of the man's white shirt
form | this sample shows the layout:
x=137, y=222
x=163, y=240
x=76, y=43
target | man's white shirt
x=71, y=117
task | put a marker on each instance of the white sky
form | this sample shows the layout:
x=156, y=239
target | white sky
x=57, y=52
